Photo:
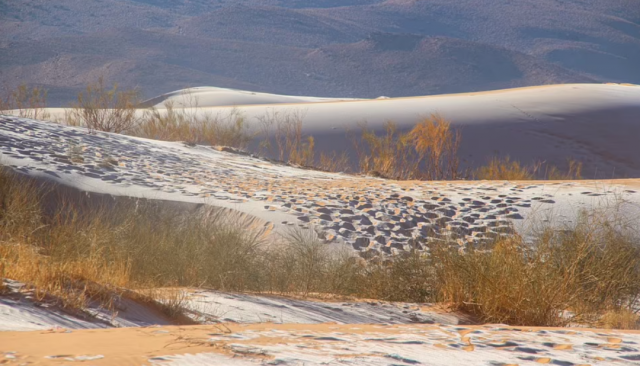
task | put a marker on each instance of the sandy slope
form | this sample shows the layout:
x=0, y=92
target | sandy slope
x=596, y=124
x=373, y=216
x=220, y=97
x=324, y=344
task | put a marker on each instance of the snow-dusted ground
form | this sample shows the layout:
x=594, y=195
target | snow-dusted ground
x=375, y=217
x=325, y=344
x=596, y=124
x=20, y=311
x=218, y=97
x=215, y=307
x=418, y=345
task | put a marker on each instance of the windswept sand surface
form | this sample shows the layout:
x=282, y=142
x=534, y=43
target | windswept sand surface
x=322, y=344
x=596, y=124
x=373, y=216
x=218, y=97
x=20, y=311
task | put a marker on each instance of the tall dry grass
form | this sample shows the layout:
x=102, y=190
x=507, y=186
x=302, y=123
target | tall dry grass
x=507, y=169
x=194, y=126
x=574, y=275
x=102, y=109
x=282, y=136
x=77, y=253
x=26, y=102
x=427, y=152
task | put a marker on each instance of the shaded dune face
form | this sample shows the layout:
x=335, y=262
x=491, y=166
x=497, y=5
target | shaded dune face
x=593, y=124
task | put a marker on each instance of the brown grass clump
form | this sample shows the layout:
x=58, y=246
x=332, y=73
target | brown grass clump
x=427, y=152
x=283, y=132
x=334, y=162
x=25, y=102
x=569, y=276
x=102, y=109
x=77, y=252
x=194, y=126
x=506, y=169
x=620, y=319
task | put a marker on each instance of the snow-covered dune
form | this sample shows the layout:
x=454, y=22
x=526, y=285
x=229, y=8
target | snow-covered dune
x=596, y=124
x=373, y=216
x=220, y=97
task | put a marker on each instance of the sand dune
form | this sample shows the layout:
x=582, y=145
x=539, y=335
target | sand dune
x=221, y=97
x=596, y=124
x=374, y=217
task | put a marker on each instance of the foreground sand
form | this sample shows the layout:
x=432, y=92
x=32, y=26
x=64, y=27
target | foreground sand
x=322, y=344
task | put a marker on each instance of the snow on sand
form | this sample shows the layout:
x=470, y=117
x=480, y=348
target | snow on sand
x=593, y=123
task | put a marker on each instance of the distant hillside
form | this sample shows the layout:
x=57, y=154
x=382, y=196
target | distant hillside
x=356, y=48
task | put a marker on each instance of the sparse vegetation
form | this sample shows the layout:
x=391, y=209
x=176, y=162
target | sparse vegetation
x=26, y=102
x=506, y=169
x=194, y=126
x=75, y=253
x=101, y=109
x=574, y=275
x=285, y=131
x=427, y=152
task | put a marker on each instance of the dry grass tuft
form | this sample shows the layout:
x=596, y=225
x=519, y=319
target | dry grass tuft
x=506, y=169
x=102, y=109
x=620, y=319
x=589, y=270
x=283, y=131
x=427, y=152
x=76, y=252
x=194, y=126
x=26, y=102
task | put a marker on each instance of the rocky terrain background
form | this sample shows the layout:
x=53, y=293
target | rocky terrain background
x=355, y=48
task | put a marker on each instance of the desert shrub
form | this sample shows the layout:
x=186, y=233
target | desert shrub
x=507, y=169
x=26, y=102
x=102, y=109
x=334, y=162
x=77, y=251
x=620, y=319
x=282, y=137
x=574, y=171
x=588, y=270
x=193, y=126
x=406, y=277
x=504, y=169
x=427, y=152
